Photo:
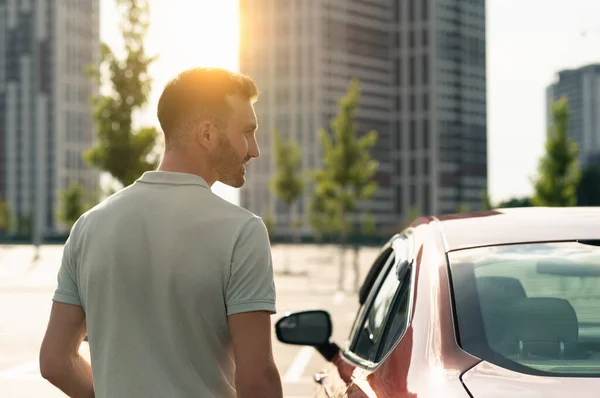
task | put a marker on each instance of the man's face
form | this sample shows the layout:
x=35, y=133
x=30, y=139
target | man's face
x=236, y=143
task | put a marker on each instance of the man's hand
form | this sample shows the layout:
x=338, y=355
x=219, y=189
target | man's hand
x=256, y=374
x=60, y=362
x=328, y=350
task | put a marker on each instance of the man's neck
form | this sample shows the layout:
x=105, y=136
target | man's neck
x=175, y=164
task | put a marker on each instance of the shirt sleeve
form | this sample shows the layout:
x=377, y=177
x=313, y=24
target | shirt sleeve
x=67, y=291
x=251, y=284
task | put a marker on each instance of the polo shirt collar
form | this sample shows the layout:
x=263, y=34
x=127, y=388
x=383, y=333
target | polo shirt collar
x=172, y=178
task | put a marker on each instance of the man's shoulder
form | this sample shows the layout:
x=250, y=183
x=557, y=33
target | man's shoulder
x=238, y=222
x=213, y=210
x=108, y=205
x=237, y=214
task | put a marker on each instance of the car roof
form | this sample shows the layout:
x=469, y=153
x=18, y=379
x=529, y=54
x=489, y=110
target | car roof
x=518, y=225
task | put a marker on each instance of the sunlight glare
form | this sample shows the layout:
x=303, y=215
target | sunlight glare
x=196, y=33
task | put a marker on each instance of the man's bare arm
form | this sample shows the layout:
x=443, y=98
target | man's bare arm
x=256, y=374
x=60, y=362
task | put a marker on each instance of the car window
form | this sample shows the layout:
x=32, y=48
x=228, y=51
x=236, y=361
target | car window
x=399, y=315
x=369, y=334
x=371, y=278
x=371, y=283
x=531, y=308
x=359, y=319
x=372, y=326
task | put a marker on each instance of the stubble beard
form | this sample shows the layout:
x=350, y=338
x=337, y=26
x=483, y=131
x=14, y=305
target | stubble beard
x=228, y=165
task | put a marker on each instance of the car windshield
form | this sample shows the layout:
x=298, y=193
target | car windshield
x=531, y=308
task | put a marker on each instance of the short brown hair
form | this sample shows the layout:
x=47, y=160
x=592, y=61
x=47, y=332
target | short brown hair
x=200, y=92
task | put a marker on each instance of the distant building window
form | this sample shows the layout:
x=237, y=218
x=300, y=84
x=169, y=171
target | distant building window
x=425, y=69
x=399, y=201
x=412, y=71
x=426, y=134
x=398, y=135
x=426, y=199
x=399, y=103
x=413, y=135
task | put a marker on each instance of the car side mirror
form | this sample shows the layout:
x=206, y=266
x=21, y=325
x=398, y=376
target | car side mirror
x=310, y=328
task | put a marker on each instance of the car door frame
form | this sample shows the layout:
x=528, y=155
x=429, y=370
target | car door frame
x=330, y=385
x=407, y=238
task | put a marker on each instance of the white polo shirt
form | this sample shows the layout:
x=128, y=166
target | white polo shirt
x=158, y=267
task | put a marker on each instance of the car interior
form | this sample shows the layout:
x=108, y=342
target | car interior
x=540, y=332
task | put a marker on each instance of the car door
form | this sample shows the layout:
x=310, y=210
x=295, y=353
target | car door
x=369, y=330
x=330, y=382
x=391, y=380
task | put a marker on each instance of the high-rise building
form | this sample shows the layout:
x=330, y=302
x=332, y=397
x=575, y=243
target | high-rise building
x=421, y=66
x=581, y=87
x=45, y=112
x=439, y=56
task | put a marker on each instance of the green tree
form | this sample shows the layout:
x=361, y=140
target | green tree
x=5, y=216
x=558, y=174
x=122, y=150
x=297, y=224
x=269, y=221
x=414, y=213
x=368, y=225
x=321, y=209
x=287, y=183
x=486, y=203
x=348, y=171
x=462, y=208
x=515, y=202
x=24, y=225
x=588, y=191
x=72, y=204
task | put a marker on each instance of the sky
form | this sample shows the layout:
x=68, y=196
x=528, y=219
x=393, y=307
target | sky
x=528, y=42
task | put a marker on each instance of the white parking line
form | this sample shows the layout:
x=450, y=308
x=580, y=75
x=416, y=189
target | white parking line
x=23, y=371
x=296, y=370
x=338, y=297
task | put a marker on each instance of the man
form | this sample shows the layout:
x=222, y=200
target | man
x=172, y=284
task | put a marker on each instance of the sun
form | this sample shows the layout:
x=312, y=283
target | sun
x=196, y=32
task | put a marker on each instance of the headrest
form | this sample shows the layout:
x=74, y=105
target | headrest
x=539, y=319
x=492, y=288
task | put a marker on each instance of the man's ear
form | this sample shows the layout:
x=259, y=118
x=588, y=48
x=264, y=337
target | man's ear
x=205, y=134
